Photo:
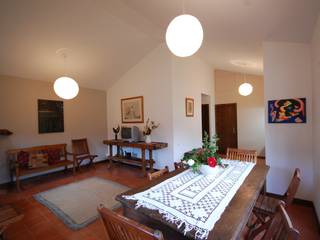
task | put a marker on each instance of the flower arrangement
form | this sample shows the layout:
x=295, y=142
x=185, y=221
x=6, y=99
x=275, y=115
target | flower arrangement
x=207, y=155
x=149, y=127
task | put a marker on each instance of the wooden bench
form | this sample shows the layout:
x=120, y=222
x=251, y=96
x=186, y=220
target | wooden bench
x=18, y=169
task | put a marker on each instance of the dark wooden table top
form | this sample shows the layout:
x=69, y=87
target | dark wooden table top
x=142, y=145
x=235, y=216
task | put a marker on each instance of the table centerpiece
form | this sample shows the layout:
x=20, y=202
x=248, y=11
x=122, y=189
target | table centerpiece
x=205, y=160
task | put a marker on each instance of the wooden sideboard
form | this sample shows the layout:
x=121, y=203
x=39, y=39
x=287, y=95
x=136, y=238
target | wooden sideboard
x=143, y=162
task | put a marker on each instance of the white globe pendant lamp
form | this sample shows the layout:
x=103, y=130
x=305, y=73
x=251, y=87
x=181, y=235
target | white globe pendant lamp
x=66, y=87
x=245, y=89
x=184, y=35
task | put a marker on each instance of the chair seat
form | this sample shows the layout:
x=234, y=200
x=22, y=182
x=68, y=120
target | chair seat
x=266, y=205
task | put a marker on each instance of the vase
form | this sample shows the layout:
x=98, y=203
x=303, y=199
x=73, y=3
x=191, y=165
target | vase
x=148, y=139
x=207, y=170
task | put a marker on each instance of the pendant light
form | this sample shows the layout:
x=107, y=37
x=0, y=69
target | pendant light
x=65, y=87
x=184, y=35
x=245, y=89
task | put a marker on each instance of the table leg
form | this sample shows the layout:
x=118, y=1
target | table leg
x=150, y=161
x=118, y=150
x=110, y=156
x=143, y=159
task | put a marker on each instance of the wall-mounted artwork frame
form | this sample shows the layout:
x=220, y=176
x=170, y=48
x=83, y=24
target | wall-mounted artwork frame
x=50, y=116
x=132, y=110
x=189, y=105
x=287, y=111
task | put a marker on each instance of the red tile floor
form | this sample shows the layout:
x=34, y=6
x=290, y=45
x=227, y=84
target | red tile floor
x=40, y=223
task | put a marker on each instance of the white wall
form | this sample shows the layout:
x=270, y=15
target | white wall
x=316, y=114
x=150, y=78
x=250, y=109
x=165, y=82
x=84, y=116
x=287, y=72
x=191, y=78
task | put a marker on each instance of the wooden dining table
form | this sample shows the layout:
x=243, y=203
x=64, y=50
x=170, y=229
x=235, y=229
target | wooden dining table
x=229, y=226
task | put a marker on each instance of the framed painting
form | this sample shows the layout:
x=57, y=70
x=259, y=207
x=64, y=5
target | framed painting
x=132, y=110
x=189, y=107
x=287, y=111
x=50, y=116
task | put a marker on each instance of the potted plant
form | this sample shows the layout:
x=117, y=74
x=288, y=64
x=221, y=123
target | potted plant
x=206, y=159
x=148, y=128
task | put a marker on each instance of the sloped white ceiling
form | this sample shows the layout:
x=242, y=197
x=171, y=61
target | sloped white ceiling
x=107, y=37
x=235, y=29
x=104, y=38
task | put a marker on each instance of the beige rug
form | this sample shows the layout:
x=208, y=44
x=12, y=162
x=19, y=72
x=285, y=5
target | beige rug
x=76, y=203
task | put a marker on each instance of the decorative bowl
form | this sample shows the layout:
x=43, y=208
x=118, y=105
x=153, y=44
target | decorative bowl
x=207, y=170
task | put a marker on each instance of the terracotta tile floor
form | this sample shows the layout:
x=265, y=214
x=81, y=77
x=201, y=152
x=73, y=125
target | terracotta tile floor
x=40, y=223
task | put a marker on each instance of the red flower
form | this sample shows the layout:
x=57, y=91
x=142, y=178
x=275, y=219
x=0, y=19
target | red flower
x=212, y=161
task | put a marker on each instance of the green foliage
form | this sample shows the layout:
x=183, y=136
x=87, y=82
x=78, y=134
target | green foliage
x=201, y=155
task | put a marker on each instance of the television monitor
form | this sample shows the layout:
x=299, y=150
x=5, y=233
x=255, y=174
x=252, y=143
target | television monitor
x=130, y=134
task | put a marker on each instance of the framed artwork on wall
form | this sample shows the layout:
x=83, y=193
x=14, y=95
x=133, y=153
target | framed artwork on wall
x=132, y=110
x=50, y=116
x=189, y=107
x=287, y=111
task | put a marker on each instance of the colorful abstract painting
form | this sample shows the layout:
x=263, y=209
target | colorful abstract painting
x=287, y=111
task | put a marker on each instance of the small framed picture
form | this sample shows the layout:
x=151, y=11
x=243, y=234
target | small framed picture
x=132, y=110
x=189, y=107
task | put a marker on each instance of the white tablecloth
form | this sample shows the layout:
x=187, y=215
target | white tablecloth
x=193, y=201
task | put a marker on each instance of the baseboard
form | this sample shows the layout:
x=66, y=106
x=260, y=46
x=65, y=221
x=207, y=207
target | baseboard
x=8, y=184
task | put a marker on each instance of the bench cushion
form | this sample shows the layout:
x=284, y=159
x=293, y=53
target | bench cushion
x=54, y=155
x=23, y=159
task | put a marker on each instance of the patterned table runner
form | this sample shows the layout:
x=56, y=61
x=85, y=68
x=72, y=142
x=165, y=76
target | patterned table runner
x=193, y=201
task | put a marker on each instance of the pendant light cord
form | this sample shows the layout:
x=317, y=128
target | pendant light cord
x=183, y=6
x=64, y=55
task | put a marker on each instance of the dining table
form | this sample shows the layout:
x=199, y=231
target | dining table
x=229, y=215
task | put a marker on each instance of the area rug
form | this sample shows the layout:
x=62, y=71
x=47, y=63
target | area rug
x=76, y=203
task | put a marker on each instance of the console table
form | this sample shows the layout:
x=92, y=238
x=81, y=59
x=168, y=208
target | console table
x=143, y=162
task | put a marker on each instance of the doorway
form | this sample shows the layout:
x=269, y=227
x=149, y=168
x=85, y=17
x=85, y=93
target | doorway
x=205, y=114
x=205, y=120
x=226, y=126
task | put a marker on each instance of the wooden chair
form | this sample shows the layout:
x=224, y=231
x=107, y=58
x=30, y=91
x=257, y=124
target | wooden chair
x=8, y=216
x=121, y=228
x=280, y=227
x=265, y=207
x=152, y=176
x=242, y=155
x=80, y=151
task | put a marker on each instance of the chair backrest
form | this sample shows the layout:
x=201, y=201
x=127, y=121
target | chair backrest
x=152, y=176
x=80, y=146
x=242, y=155
x=281, y=227
x=293, y=187
x=121, y=228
